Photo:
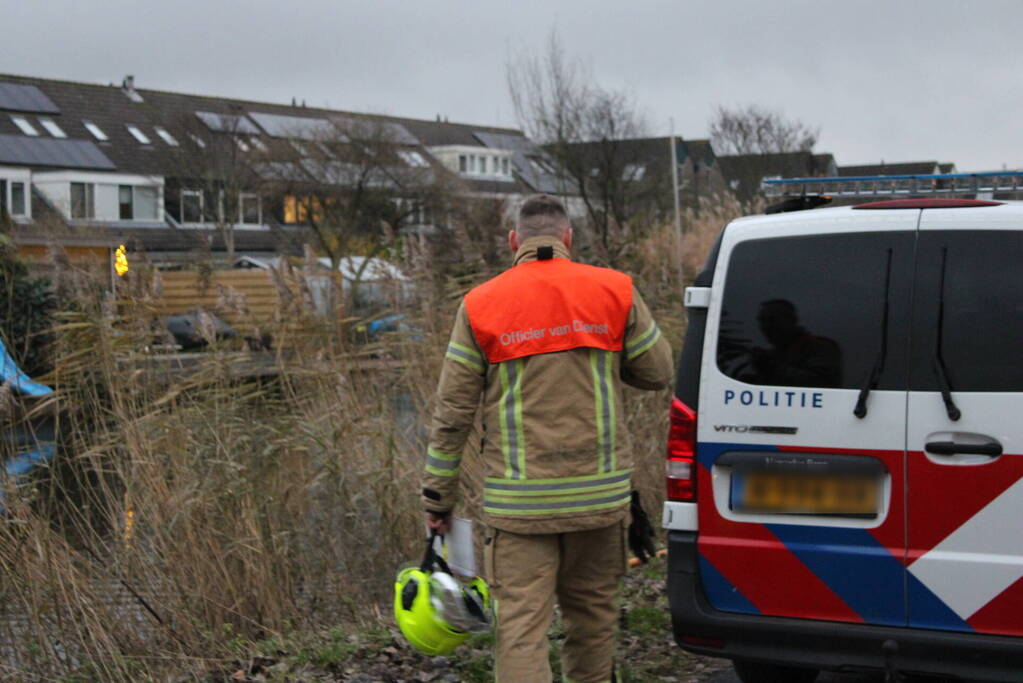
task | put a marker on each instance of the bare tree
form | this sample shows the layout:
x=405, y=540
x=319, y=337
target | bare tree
x=217, y=179
x=356, y=184
x=761, y=142
x=582, y=126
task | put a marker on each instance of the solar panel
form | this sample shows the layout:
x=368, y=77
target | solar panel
x=17, y=97
x=16, y=149
x=281, y=126
x=227, y=123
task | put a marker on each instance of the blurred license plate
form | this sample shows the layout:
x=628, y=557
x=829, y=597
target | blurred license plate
x=782, y=492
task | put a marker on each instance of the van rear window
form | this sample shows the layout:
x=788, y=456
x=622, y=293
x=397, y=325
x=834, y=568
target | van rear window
x=808, y=311
x=981, y=329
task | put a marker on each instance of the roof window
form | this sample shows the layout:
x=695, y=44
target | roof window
x=137, y=133
x=199, y=142
x=166, y=136
x=24, y=126
x=258, y=144
x=242, y=145
x=413, y=158
x=95, y=130
x=51, y=127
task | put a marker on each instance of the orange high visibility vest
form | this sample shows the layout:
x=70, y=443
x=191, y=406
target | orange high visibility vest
x=547, y=306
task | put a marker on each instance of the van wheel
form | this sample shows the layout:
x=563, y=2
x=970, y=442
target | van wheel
x=762, y=672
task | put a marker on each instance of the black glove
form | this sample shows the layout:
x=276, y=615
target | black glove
x=641, y=534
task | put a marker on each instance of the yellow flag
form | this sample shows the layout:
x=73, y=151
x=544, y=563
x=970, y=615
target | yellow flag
x=121, y=261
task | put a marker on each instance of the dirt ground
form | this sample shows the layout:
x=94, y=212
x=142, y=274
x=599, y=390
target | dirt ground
x=646, y=650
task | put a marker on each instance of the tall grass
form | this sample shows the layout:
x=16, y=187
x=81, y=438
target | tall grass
x=198, y=503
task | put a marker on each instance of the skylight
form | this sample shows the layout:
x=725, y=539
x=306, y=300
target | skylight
x=137, y=133
x=199, y=142
x=166, y=136
x=51, y=127
x=413, y=158
x=24, y=126
x=96, y=131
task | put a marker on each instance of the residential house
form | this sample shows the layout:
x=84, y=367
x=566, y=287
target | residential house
x=743, y=173
x=93, y=166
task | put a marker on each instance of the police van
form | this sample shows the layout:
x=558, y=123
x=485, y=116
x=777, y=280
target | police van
x=845, y=456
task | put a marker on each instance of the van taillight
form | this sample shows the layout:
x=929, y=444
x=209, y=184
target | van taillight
x=681, y=463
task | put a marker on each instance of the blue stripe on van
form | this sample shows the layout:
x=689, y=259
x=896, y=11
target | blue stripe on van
x=926, y=610
x=854, y=565
x=721, y=592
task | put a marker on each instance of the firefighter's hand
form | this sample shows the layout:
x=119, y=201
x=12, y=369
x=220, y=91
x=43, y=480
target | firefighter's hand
x=441, y=523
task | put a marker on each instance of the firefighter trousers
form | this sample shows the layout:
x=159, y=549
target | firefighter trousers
x=582, y=571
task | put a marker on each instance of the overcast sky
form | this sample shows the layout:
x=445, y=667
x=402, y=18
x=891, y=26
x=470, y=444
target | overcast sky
x=898, y=80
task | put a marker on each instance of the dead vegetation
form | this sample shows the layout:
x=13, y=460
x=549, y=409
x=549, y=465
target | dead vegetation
x=194, y=515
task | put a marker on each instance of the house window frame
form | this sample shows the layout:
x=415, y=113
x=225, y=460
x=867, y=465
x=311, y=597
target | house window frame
x=95, y=131
x=202, y=206
x=137, y=133
x=24, y=197
x=51, y=127
x=24, y=125
x=121, y=203
x=165, y=135
x=242, y=197
x=89, y=199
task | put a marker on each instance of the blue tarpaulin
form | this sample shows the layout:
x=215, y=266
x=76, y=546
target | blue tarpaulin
x=33, y=443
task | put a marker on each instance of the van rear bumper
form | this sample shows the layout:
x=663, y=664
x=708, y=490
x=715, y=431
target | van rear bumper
x=822, y=644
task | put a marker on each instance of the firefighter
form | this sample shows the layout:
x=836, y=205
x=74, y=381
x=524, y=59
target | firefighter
x=545, y=347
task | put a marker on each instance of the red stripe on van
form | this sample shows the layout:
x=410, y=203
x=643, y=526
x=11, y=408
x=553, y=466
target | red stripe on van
x=1001, y=615
x=754, y=560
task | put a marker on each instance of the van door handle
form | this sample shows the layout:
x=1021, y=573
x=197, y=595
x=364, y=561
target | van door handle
x=992, y=448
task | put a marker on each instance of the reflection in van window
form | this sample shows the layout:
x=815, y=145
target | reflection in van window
x=983, y=310
x=806, y=311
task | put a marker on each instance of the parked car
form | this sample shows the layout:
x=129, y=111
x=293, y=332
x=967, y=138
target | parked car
x=845, y=457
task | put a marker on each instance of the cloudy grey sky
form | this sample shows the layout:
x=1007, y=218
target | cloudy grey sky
x=898, y=80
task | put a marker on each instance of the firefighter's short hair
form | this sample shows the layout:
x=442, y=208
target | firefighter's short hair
x=542, y=214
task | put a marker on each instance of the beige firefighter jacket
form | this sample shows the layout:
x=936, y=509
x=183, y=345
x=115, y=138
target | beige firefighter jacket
x=553, y=418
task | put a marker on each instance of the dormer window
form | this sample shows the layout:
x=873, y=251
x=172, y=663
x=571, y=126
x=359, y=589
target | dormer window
x=137, y=133
x=24, y=126
x=166, y=136
x=51, y=127
x=95, y=131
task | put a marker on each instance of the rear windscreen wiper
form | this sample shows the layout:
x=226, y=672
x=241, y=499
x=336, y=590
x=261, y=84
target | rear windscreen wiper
x=872, y=378
x=939, y=363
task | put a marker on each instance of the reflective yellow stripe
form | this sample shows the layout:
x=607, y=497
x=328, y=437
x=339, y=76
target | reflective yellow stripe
x=466, y=356
x=442, y=464
x=601, y=363
x=513, y=445
x=546, y=508
x=642, y=343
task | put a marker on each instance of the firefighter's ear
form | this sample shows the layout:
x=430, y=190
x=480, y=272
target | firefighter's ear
x=566, y=237
x=513, y=240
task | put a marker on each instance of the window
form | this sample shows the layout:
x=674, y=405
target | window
x=125, y=203
x=137, y=133
x=166, y=136
x=199, y=142
x=506, y=166
x=3, y=198
x=146, y=205
x=95, y=131
x=413, y=158
x=633, y=172
x=19, y=207
x=250, y=213
x=808, y=311
x=24, y=126
x=982, y=310
x=300, y=148
x=51, y=127
x=191, y=206
x=83, y=200
x=258, y=144
x=463, y=163
x=241, y=144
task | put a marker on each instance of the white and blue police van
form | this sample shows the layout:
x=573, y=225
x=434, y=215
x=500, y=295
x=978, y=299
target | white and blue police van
x=845, y=456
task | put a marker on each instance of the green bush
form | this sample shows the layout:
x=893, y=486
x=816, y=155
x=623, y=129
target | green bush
x=26, y=310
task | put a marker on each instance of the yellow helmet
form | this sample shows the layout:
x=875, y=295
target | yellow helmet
x=436, y=612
